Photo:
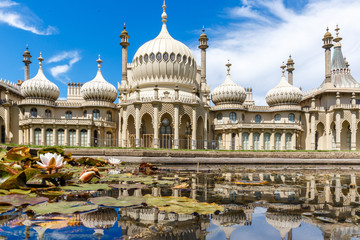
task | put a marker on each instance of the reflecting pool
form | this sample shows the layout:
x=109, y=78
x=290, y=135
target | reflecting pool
x=258, y=203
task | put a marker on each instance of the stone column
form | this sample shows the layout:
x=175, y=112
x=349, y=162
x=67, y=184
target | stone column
x=251, y=140
x=353, y=130
x=89, y=137
x=237, y=141
x=27, y=134
x=54, y=136
x=293, y=141
x=338, y=130
x=261, y=140
x=156, y=126
x=7, y=123
x=229, y=141
x=283, y=144
x=137, y=126
x=176, y=126
x=223, y=141
x=193, y=135
x=21, y=136
x=77, y=136
x=66, y=136
x=272, y=140
x=119, y=144
x=124, y=129
x=43, y=137
x=206, y=131
x=313, y=130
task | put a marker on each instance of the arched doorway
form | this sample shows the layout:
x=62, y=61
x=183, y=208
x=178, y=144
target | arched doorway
x=320, y=141
x=131, y=135
x=333, y=136
x=185, y=132
x=96, y=138
x=200, y=133
x=146, y=132
x=345, y=136
x=166, y=132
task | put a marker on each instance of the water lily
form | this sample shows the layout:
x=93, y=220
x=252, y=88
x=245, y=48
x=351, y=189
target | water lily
x=51, y=161
x=114, y=161
x=87, y=174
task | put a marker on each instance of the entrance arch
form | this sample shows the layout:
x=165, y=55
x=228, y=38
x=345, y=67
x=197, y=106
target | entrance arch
x=320, y=141
x=185, y=131
x=345, y=136
x=146, y=132
x=200, y=133
x=166, y=131
x=131, y=131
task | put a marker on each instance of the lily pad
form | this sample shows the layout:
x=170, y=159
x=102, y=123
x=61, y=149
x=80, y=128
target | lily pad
x=2, y=153
x=4, y=209
x=52, y=150
x=120, y=202
x=86, y=187
x=19, y=199
x=182, y=205
x=127, y=177
x=90, y=161
x=61, y=207
x=129, y=186
x=17, y=154
x=19, y=180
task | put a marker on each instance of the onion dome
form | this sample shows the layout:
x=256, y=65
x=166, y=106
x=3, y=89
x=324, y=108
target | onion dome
x=103, y=218
x=228, y=92
x=39, y=86
x=98, y=89
x=284, y=93
x=164, y=60
x=283, y=222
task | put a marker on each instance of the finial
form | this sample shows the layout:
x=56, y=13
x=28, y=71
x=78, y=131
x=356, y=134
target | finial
x=203, y=30
x=164, y=15
x=327, y=28
x=228, y=65
x=124, y=26
x=337, y=39
x=337, y=30
x=41, y=59
x=283, y=68
x=99, y=61
x=27, y=47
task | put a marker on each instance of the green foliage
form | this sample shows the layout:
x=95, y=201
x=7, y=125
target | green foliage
x=120, y=202
x=61, y=207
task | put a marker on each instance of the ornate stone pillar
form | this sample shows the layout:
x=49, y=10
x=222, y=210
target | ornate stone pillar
x=193, y=135
x=55, y=133
x=43, y=137
x=313, y=130
x=223, y=140
x=66, y=136
x=21, y=136
x=156, y=125
x=124, y=128
x=261, y=140
x=77, y=136
x=26, y=133
x=338, y=130
x=119, y=144
x=176, y=126
x=237, y=141
x=272, y=140
x=7, y=123
x=251, y=140
x=353, y=130
x=240, y=140
x=89, y=137
x=229, y=141
x=137, y=125
x=293, y=141
x=283, y=144
x=206, y=131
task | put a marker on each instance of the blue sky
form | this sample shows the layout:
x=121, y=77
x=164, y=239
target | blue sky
x=255, y=35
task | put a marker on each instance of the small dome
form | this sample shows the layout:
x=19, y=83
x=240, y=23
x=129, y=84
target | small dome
x=103, y=218
x=283, y=222
x=284, y=93
x=98, y=89
x=228, y=92
x=39, y=86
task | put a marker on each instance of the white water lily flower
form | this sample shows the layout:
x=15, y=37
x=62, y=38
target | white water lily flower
x=114, y=161
x=51, y=161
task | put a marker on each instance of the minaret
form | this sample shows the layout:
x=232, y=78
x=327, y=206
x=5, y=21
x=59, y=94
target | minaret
x=124, y=43
x=203, y=46
x=27, y=61
x=290, y=68
x=327, y=46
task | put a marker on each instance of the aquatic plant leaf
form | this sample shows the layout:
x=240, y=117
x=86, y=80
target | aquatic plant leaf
x=61, y=207
x=52, y=193
x=86, y=187
x=4, y=209
x=59, y=151
x=90, y=161
x=19, y=199
x=2, y=153
x=6, y=172
x=19, y=180
x=17, y=154
x=182, y=205
x=19, y=191
x=120, y=202
x=127, y=177
x=129, y=186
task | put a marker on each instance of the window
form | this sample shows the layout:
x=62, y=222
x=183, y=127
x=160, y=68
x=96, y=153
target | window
x=277, y=141
x=96, y=114
x=233, y=117
x=257, y=119
x=83, y=138
x=158, y=56
x=152, y=57
x=33, y=112
x=219, y=118
x=178, y=58
x=288, y=144
x=49, y=137
x=165, y=56
x=184, y=59
x=256, y=142
x=140, y=59
x=267, y=141
x=108, y=139
x=291, y=118
x=48, y=113
x=245, y=141
x=108, y=116
x=277, y=118
x=165, y=126
x=61, y=138
x=72, y=137
x=68, y=115
x=38, y=136
x=172, y=57
x=85, y=114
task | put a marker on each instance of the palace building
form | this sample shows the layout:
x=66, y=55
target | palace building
x=165, y=102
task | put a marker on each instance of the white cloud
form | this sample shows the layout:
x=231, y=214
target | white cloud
x=18, y=19
x=257, y=47
x=59, y=70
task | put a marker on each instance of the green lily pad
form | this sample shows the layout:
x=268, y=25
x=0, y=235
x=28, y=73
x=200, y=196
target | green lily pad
x=120, y=202
x=20, y=191
x=19, y=180
x=17, y=154
x=59, y=151
x=86, y=187
x=61, y=207
x=90, y=161
x=6, y=172
x=182, y=205
x=20, y=199
x=2, y=153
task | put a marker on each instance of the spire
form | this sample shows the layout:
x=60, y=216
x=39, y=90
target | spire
x=164, y=15
x=99, y=61
x=283, y=66
x=41, y=59
x=124, y=38
x=290, y=68
x=228, y=65
x=337, y=39
x=203, y=40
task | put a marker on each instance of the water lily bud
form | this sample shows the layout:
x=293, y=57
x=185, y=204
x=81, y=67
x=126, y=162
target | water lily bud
x=87, y=176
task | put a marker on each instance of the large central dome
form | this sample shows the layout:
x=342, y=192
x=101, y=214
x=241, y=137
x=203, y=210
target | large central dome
x=164, y=60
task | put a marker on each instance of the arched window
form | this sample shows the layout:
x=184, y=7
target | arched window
x=258, y=119
x=37, y=136
x=245, y=141
x=83, y=138
x=277, y=141
x=72, y=137
x=232, y=117
x=277, y=118
x=165, y=126
x=108, y=139
x=96, y=114
x=143, y=127
x=267, y=141
x=219, y=118
x=291, y=118
x=108, y=116
x=256, y=142
x=48, y=113
x=288, y=143
x=33, y=112
x=49, y=137
x=85, y=114
x=68, y=115
x=60, y=135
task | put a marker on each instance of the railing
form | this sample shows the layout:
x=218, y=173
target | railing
x=64, y=121
x=279, y=125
